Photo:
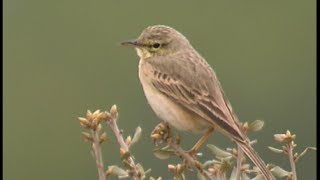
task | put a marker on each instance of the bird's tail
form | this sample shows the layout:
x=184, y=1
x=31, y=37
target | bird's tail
x=255, y=158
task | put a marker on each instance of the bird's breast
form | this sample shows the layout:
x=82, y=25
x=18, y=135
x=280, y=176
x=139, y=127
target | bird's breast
x=167, y=109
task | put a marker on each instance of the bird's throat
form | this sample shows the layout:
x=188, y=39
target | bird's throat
x=143, y=53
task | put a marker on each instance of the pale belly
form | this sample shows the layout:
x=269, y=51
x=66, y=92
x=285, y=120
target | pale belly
x=171, y=112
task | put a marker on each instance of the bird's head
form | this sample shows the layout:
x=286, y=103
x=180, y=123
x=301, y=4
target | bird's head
x=158, y=40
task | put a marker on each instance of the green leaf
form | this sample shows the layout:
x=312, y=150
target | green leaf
x=275, y=150
x=115, y=170
x=218, y=152
x=256, y=125
x=137, y=135
x=279, y=172
x=163, y=154
x=258, y=177
x=210, y=162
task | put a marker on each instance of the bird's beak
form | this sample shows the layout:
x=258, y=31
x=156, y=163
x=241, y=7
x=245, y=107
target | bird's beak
x=131, y=43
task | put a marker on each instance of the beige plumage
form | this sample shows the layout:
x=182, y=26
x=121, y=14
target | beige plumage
x=184, y=91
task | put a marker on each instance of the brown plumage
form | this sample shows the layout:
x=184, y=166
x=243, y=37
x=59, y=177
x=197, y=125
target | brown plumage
x=184, y=91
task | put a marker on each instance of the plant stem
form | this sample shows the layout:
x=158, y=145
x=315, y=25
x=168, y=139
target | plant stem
x=113, y=125
x=98, y=155
x=187, y=157
x=291, y=159
x=239, y=163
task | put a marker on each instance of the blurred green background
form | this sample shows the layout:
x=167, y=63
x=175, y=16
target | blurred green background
x=63, y=57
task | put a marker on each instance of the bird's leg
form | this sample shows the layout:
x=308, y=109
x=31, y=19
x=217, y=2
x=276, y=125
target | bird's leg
x=203, y=139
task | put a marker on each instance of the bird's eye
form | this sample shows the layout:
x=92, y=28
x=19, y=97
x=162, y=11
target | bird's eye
x=156, y=45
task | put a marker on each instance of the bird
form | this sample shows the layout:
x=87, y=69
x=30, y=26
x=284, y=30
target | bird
x=184, y=91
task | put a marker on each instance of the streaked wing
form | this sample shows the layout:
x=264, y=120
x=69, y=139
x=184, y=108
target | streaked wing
x=195, y=87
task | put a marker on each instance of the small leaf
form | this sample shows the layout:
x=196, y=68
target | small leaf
x=218, y=152
x=114, y=111
x=279, y=172
x=275, y=150
x=87, y=136
x=279, y=137
x=163, y=154
x=115, y=170
x=256, y=125
x=210, y=162
x=137, y=135
x=255, y=141
x=258, y=177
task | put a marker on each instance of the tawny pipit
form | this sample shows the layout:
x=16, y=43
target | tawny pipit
x=184, y=91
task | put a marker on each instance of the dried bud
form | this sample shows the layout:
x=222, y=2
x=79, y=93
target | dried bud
x=114, y=111
x=155, y=136
x=107, y=115
x=87, y=136
x=101, y=116
x=172, y=168
x=83, y=120
x=235, y=151
x=198, y=165
x=96, y=114
x=124, y=154
x=103, y=138
x=84, y=123
x=85, y=126
x=288, y=137
x=180, y=168
x=94, y=124
x=89, y=115
x=128, y=140
x=122, y=151
x=245, y=126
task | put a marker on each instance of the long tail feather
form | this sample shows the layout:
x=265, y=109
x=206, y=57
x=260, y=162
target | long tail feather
x=255, y=158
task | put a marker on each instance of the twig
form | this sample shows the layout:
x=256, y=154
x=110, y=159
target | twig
x=92, y=123
x=98, y=155
x=239, y=163
x=292, y=161
x=189, y=159
x=123, y=146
